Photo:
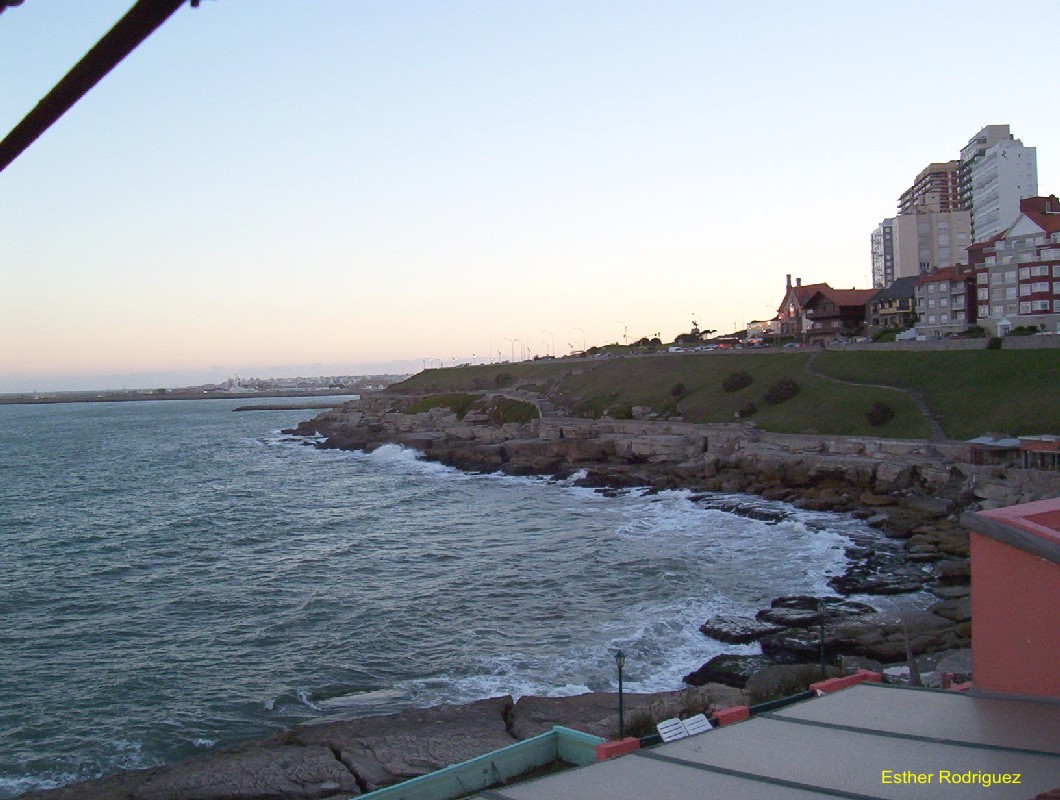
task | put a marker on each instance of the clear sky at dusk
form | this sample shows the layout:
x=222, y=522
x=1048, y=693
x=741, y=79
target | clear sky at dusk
x=319, y=187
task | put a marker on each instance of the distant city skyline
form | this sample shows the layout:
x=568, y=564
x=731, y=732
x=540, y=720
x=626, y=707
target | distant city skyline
x=370, y=185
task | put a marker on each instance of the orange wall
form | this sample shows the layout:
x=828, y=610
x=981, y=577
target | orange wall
x=1015, y=620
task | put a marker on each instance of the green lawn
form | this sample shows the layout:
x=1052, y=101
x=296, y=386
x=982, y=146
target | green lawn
x=972, y=391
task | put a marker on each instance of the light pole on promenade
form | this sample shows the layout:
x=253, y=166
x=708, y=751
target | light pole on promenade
x=620, y=660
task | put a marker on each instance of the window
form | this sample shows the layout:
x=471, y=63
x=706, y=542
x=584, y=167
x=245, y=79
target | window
x=944, y=302
x=1025, y=289
x=931, y=288
x=931, y=303
x=1010, y=292
x=982, y=277
x=1056, y=305
x=944, y=239
x=1040, y=286
x=1056, y=270
x=1025, y=308
x=996, y=277
x=1010, y=308
x=982, y=294
x=1041, y=271
x=997, y=294
x=1039, y=305
x=944, y=318
x=1025, y=272
x=984, y=311
x=999, y=311
x=1056, y=288
x=944, y=286
x=1010, y=276
x=931, y=319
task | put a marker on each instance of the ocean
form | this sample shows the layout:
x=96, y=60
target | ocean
x=176, y=577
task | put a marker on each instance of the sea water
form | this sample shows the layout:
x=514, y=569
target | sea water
x=177, y=577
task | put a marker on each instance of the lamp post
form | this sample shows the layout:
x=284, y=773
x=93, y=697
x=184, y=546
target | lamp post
x=620, y=660
x=550, y=333
x=583, y=337
x=820, y=620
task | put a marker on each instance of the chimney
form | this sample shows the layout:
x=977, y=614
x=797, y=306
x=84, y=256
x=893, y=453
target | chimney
x=798, y=281
x=789, y=282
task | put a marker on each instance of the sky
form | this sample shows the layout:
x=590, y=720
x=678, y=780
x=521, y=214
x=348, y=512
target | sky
x=267, y=188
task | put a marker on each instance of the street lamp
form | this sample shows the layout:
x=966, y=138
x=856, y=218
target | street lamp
x=620, y=660
x=583, y=338
x=550, y=333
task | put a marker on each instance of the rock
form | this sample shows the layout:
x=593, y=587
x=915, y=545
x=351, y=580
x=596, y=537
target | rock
x=784, y=680
x=789, y=617
x=385, y=750
x=731, y=670
x=950, y=592
x=268, y=770
x=597, y=713
x=954, y=610
x=869, y=499
x=736, y=630
x=953, y=572
x=932, y=506
x=872, y=584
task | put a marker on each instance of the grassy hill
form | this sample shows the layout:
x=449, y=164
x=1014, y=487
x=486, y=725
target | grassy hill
x=970, y=391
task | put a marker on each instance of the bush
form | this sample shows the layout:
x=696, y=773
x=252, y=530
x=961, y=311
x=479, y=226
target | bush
x=747, y=410
x=504, y=379
x=504, y=409
x=677, y=390
x=457, y=403
x=974, y=332
x=1023, y=330
x=994, y=343
x=781, y=391
x=881, y=414
x=737, y=381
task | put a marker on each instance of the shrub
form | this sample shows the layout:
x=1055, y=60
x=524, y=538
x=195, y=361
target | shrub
x=993, y=343
x=974, y=332
x=736, y=381
x=880, y=414
x=677, y=390
x=781, y=391
x=457, y=403
x=503, y=379
x=747, y=410
x=504, y=409
x=1023, y=330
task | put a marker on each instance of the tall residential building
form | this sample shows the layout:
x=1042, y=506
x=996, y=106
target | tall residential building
x=996, y=171
x=930, y=231
x=883, y=254
x=935, y=189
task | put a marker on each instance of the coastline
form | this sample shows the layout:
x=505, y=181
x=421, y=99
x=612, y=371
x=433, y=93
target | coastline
x=344, y=758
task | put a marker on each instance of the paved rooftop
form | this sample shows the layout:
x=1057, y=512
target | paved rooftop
x=836, y=746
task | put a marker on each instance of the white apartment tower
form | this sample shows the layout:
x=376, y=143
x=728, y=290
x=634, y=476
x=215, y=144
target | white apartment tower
x=996, y=171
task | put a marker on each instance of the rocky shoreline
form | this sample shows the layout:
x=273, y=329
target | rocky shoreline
x=912, y=493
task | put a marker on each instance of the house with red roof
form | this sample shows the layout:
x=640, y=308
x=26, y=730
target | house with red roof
x=835, y=313
x=791, y=316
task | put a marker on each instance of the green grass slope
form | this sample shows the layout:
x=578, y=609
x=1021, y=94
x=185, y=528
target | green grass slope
x=971, y=391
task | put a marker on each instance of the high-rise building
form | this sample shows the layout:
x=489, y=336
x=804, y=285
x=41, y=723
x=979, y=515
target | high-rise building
x=883, y=254
x=996, y=171
x=934, y=189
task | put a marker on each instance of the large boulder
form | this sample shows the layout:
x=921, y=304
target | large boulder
x=385, y=750
x=730, y=670
x=736, y=630
x=268, y=770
